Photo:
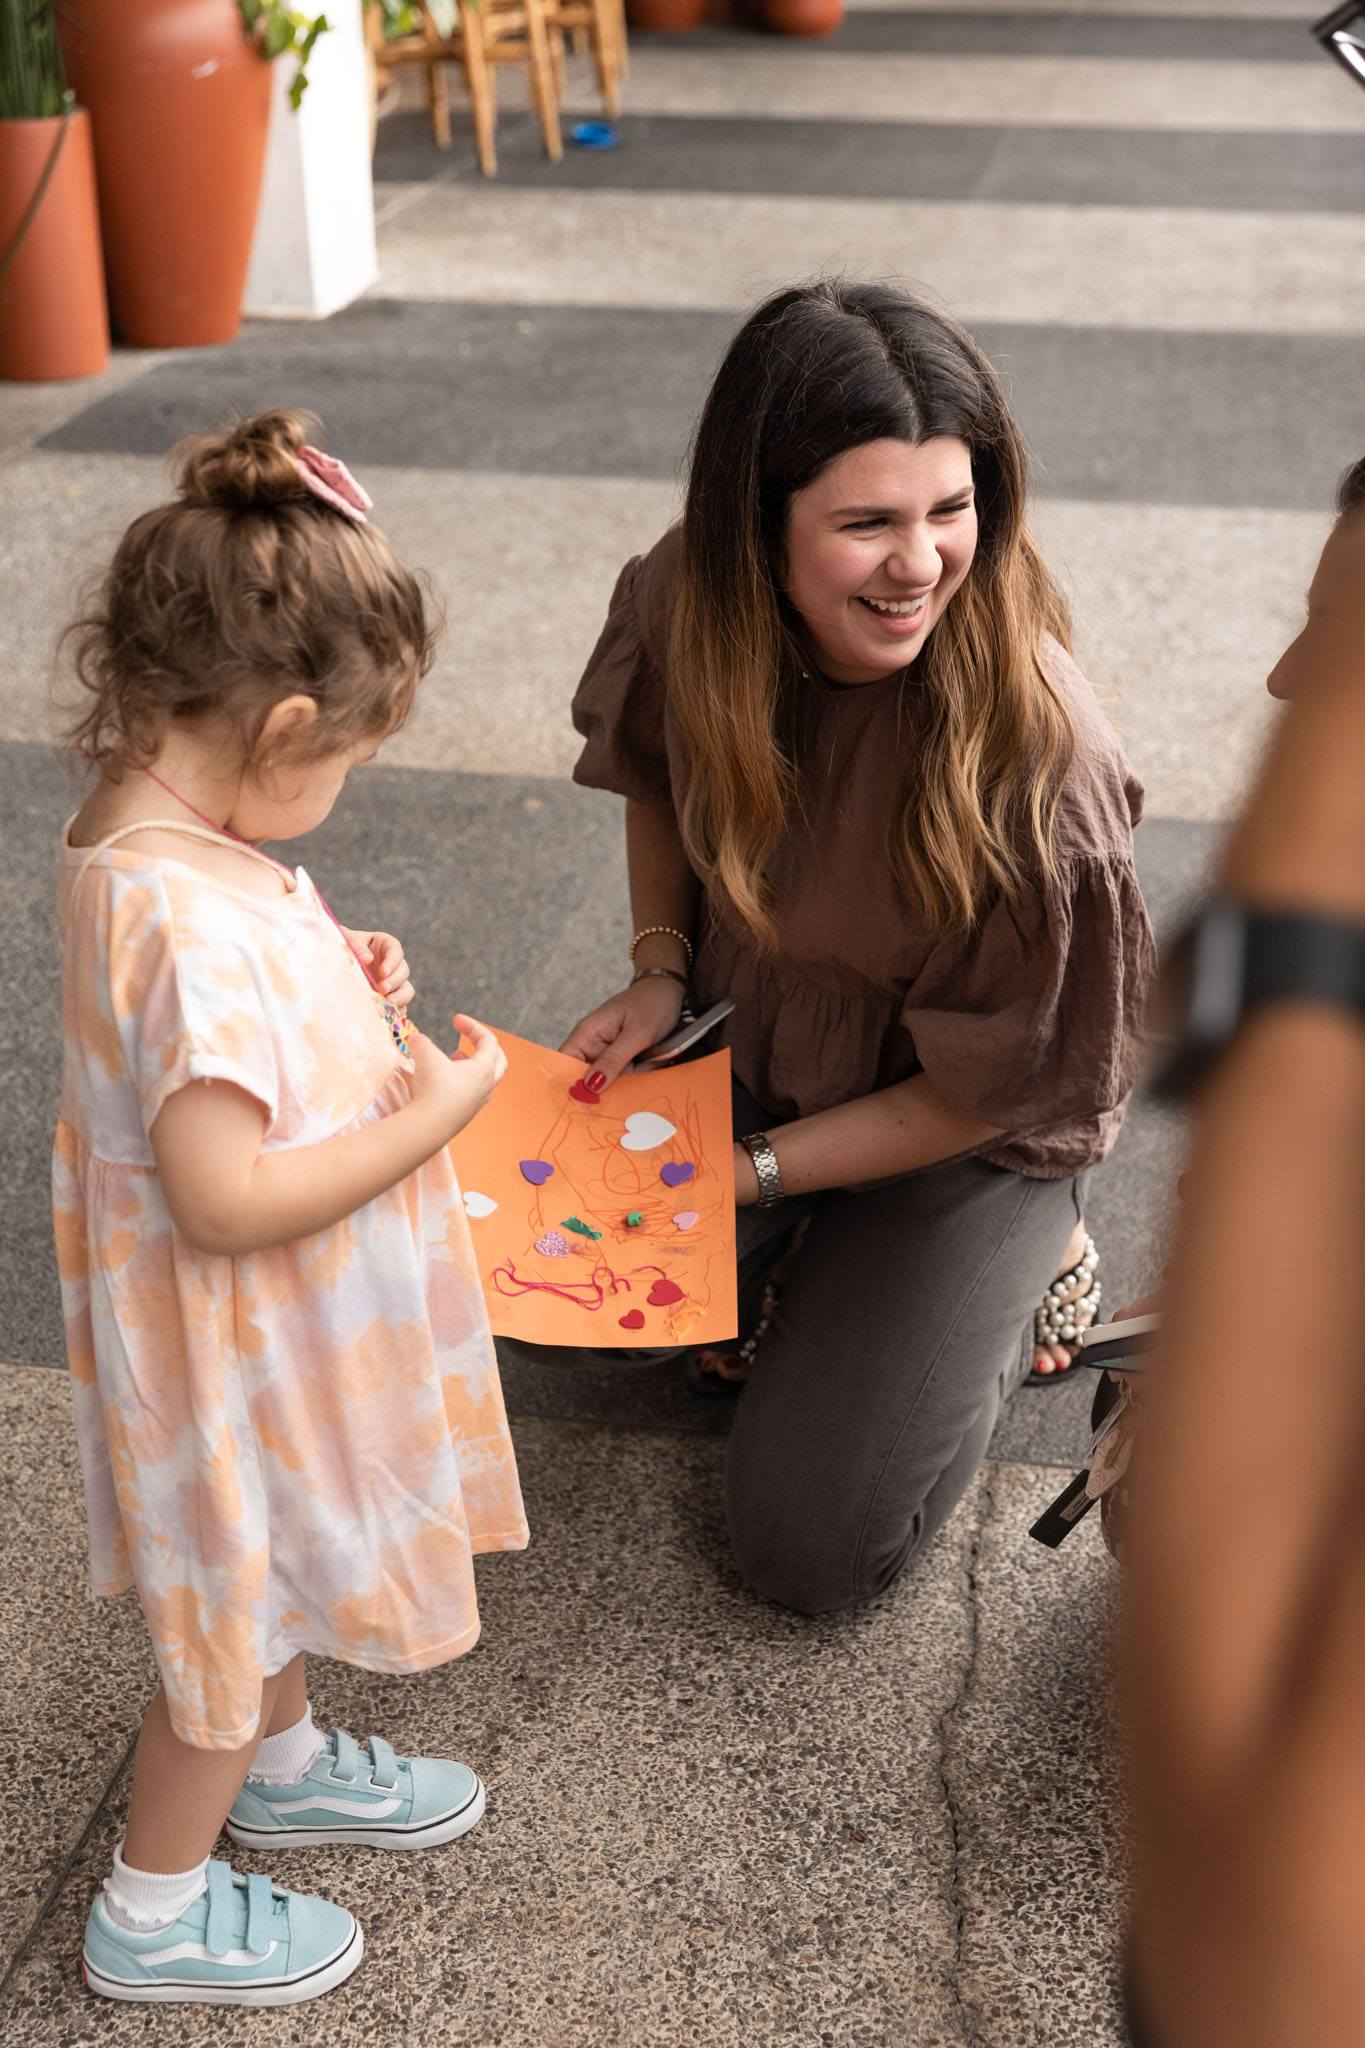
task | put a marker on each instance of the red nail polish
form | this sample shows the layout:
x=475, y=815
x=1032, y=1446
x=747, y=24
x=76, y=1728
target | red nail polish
x=596, y=1082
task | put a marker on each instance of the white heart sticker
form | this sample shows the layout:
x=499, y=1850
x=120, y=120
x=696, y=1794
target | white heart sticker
x=645, y=1130
x=478, y=1205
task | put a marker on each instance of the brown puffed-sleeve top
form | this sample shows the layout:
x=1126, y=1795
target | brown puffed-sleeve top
x=1031, y=1021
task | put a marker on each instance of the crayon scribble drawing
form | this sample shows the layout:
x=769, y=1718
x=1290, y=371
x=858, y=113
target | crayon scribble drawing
x=603, y=1223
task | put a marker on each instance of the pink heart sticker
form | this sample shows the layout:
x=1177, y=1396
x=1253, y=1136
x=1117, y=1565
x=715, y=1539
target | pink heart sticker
x=537, y=1171
x=663, y=1292
x=634, y=1321
x=686, y=1219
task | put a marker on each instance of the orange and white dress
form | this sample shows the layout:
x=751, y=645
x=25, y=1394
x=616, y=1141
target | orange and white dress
x=296, y=1449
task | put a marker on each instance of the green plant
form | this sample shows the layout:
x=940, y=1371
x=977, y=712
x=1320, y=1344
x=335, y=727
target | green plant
x=404, y=17
x=32, y=76
x=277, y=28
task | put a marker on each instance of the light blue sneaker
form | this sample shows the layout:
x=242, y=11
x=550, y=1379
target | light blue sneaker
x=242, y=1942
x=371, y=1798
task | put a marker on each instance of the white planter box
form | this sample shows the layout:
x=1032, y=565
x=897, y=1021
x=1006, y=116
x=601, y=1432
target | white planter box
x=314, y=249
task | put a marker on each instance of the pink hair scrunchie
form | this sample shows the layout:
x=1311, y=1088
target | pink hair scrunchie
x=329, y=479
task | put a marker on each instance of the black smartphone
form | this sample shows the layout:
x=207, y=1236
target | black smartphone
x=1113, y=1344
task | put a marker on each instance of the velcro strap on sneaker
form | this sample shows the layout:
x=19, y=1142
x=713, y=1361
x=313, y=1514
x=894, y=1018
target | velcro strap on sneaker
x=218, y=1931
x=346, y=1762
x=385, y=1774
x=260, y=1911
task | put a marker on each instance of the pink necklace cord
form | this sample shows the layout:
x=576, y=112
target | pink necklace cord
x=227, y=832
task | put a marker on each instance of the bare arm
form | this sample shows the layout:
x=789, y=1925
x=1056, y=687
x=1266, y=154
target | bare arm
x=227, y=1196
x=1246, y=1601
x=896, y=1130
x=663, y=891
x=663, y=887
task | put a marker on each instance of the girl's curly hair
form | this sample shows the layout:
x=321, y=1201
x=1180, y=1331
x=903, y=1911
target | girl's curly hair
x=244, y=590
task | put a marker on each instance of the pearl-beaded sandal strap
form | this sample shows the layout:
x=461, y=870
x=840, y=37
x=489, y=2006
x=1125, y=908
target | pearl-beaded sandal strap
x=1058, y=1321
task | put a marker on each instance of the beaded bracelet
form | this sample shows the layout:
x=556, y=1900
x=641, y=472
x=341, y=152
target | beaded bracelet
x=664, y=931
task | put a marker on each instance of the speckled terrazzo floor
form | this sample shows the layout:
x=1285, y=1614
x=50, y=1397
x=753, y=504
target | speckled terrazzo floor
x=709, y=1821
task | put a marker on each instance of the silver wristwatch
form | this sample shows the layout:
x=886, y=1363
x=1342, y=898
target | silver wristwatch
x=770, y=1190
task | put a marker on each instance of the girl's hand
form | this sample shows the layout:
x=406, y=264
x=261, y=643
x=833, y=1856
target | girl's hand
x=453, y=1087
x=615, y=1033
x=383, y=955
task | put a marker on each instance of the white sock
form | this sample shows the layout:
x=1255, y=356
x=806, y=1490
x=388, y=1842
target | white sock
x=287, y=1758
x=140, y=1901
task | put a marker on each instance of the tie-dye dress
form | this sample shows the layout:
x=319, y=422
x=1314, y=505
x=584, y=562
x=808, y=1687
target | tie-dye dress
x=295, y=1449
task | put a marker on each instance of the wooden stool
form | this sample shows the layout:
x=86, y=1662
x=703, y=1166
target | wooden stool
x=599, y=27
x=495, y=32
x=518, y=32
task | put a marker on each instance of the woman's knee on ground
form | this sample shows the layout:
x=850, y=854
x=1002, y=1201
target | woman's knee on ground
x=809, y=1554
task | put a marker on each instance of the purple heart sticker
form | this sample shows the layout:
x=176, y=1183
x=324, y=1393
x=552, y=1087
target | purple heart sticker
x=677, y=1173
x=537, y=1171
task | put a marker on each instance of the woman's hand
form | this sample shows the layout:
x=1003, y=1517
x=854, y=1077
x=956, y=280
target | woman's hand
x=453, y=1087
x=383, y=955
x=623, y=1027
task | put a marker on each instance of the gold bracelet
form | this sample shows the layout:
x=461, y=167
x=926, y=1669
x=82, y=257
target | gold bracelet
x=664, y=931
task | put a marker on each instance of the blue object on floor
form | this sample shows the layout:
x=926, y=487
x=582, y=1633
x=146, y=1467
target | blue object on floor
x=595, y=135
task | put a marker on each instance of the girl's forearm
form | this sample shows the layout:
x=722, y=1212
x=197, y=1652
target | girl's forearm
x=897, y=1130
x=664, y=890
x=281, y=1196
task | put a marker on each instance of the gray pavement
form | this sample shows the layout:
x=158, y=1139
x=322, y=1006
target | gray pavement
x=709, y=1822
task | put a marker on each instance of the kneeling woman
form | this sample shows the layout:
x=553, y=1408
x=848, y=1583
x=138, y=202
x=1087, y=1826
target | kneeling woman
x=871, y=798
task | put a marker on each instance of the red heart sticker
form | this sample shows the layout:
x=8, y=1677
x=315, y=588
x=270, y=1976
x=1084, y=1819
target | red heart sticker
x=663, y=1292
x=582, y=1094
x=634, y=1321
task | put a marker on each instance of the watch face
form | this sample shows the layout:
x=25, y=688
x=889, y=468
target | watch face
x=1198, y=998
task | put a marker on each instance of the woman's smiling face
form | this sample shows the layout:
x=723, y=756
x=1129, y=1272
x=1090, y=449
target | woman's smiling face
x=876, y=546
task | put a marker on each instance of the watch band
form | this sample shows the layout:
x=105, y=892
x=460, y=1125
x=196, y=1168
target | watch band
x=1236, y=959
x=770, y=1189
x=1312, y=958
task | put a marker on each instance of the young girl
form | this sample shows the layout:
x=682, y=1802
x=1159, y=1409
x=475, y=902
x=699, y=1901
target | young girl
x=290, y=1422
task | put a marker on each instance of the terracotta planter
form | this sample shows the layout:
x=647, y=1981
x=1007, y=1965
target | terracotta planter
x=180, y=103
x=666, y=17
x=53, y=320
x=801, y=17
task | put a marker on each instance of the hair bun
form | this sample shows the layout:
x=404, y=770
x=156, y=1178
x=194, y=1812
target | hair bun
x=250, y=468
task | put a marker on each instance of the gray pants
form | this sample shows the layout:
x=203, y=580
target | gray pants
x=906, y=1322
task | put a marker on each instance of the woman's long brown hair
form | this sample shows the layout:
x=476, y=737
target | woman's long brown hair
x=817, y=370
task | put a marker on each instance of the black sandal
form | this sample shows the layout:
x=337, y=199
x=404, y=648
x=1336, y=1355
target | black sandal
x=1058, y=1321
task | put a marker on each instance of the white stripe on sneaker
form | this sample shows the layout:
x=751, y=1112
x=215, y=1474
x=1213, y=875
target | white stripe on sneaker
x=195, y=1952
x=366, y=1809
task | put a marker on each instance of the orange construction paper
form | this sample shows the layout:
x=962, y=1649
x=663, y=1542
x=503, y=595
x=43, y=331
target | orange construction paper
x=689, y=1270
